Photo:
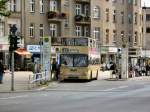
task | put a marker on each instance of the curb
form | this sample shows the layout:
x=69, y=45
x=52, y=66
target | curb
x=114, y=79
x=41, y=88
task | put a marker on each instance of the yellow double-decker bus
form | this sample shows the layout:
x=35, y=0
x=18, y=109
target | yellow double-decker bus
x=79, y=59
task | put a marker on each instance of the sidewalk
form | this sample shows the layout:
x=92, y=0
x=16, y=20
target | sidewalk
x=21, y=81
x=106, y=75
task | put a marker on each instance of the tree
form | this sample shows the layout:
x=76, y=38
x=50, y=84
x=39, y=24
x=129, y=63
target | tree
x=3, y=8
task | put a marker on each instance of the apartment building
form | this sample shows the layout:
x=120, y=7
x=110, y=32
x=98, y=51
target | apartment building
x=59, y=18
x=146, y=32
x=122, y=25
x=14, y=6
x=110, y=22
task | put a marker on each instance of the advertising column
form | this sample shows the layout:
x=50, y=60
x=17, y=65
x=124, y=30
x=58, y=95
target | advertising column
x=46, y=57
x=124, y=63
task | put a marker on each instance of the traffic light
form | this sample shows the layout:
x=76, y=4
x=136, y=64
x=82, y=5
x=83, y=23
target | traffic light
x=16, y=42
x=13, y=40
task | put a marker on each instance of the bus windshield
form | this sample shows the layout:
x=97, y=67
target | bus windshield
x=74, y=60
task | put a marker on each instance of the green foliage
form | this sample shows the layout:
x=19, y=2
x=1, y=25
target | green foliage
x=3, y=8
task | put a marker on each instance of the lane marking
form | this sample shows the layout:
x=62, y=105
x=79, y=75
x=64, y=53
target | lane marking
x=41, y=88
x=103, y=90
x=15, y=97
x=120, y=87
x=44, y=95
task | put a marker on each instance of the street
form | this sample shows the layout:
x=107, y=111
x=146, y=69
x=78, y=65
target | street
x=94, y=96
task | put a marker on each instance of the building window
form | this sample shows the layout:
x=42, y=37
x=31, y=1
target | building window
x=31, y=30
x=87, y=10
x=114, y=1
x=96, y=12
x=1, y=29
x=114, y=36
x=122, y=17
x=66, y=3
x=53, y=30
x=66, y=23
x=135, y=2
x=12, y=5
x=130, y=18
x=94, y=44
x=135, y=38
x=122, y=36
x=147, y=17
x=135, y=18
x=114, y=17
x=107, y=36
x=87, y=31
x=130, y=37
x=41, y=30
x=130, y=1
x=41, y=6
x=78, y=31
x=148, y=30
x=107, y=15
x=78, y=9
x=32, y=6
x=53, y=5
x=97, y=33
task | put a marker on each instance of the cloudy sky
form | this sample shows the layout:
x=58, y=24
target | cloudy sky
x=147, y=2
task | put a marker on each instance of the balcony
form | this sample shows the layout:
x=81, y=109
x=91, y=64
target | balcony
x=82, y=1
x=81, y=19
x=55, y=16
x=15, y=14
x=55, y=41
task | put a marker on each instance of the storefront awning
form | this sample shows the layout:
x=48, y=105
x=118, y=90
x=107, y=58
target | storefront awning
x=22, y=52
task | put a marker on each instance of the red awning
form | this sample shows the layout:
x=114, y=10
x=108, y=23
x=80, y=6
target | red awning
x=22, y=52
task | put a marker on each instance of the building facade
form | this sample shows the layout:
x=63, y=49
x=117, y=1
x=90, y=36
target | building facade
x=14, y=6
x=122, y=24
x=110, y=22
x=146, y=32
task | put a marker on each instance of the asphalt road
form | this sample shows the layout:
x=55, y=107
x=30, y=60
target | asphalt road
x=95, y=96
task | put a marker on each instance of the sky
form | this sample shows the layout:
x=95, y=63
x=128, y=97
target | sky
x=147, y=3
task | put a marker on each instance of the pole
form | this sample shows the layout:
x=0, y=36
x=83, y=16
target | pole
x=12, y=71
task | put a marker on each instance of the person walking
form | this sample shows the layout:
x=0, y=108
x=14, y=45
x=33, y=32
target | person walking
x=147, y=69
x=54, y=69
x=113, y=68
x=1, y=72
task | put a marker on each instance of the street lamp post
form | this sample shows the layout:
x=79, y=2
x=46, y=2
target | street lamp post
x=13, y=30
x=144, y=32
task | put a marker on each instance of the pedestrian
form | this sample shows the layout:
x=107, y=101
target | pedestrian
x=37, y=68
x=113, y=68
x=137, y=70
x=103, y=67
x=54, y=69
x=147, y=70
x=57, y=71
x=1, y=72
